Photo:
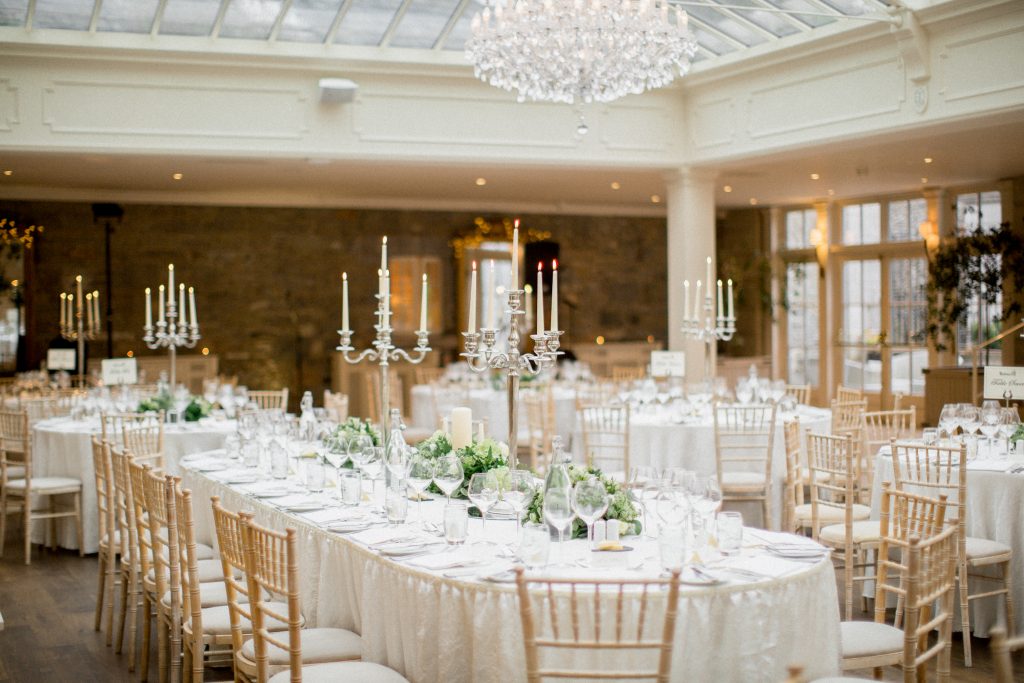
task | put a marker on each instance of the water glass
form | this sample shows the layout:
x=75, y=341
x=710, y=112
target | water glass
x=456, y=523
x=350, y=486
x=672, y=547
x=730, y=532
x=278, y=461
x=534, y=545
x=396, y=505
x=314, y=474
x=251, y=453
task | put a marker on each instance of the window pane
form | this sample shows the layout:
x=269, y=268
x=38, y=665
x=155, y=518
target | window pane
x=862, y=311
x=978, y=209
x=907, y=313
x=851, y=224
x=991, y=211
x=898, y=221
x=862, y=224
x=802, y=323
x=799, y=225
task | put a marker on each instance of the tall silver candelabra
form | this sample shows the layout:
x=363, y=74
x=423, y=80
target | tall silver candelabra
x=80, y=324
x=545, y=352
x=383, y=352
x=711, y=330
x=173, y=329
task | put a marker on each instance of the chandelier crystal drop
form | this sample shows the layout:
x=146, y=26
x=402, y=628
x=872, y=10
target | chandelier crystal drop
x=579, y=51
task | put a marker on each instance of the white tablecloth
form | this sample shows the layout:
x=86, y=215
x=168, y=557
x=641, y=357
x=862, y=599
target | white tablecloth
x=493, y=405
x=659, y=442
x=994, y=504
x=434, y=629
x=63, y=447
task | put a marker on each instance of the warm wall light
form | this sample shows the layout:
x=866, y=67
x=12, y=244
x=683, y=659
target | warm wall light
x=727, y=188
x=599, y=340
x=616, y=185
x=929, y=232
x=130, y=354
x=480, y=182
x=820, y=243
x=206, y=351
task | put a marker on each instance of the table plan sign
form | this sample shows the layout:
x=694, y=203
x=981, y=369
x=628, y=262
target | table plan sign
x=120, y=371
x=60, y=359
x=668, y=364
x=1004, y=383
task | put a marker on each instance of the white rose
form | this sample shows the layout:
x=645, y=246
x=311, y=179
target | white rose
x=503, y=447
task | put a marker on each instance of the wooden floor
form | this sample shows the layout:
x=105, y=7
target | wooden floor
x=48, y=610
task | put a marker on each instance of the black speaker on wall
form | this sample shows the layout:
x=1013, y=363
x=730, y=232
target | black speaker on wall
x=545, y=251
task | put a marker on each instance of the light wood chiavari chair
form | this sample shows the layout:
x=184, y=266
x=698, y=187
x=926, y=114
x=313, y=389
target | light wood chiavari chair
x=837, y=520
x=935, y=470
x=882, y=426
x=270, y=399
x=145, y=441
x=605, y=431
x=1002, y=654
x=793, y=488
x=165, y=579
x=42, y=408
x=800, y=392
x=130, y=565
x=598, y=393
x=228, y=526
x=549, y=609
x=272, y=568
x=145, y=532
x=848, y=418
x=336, y=406
x=540, y=423
x=16, y=494
x=628, y=373
x=927, y=570
x=110, y=537
x=744, y=438
x=848, y=394
x=112, y=424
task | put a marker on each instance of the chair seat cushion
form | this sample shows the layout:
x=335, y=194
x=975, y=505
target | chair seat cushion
x=209, y=570
x=212, y=594
x=864, y=531
x=15, y=472
x=868, y=639
x=205, y=552
x=980, y=548
x=47, y=484
x=742, y=479
x=319, y=645
x=827, y=513
x=217, y=620
x=364, y=672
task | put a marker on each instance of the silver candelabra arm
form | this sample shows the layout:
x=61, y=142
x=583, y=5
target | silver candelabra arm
x=417, y=354
x=346, y=348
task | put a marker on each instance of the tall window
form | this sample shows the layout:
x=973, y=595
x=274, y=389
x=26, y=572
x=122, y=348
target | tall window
x=908, y=306
x=799, y=225
x=802, y=317
x=980, y=210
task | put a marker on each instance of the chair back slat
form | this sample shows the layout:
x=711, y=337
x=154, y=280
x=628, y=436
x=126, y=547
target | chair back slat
x=104, y=477
x=605, y=430
x=112, y=424
x=145, y=440
x=744, y=434
x=793, y=494
x=231, y=544
x=801, y=393
x=270, y=399
x=15, y=444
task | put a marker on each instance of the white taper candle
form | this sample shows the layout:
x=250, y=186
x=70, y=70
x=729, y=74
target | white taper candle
x=344, y=301
x=423, y=304
x=540, y=298
x=554, y=295
x=515, y=256
x=472, y=301
x=149, y=307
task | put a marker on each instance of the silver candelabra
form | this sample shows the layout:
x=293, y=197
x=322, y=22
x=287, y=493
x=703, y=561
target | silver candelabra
x=173, y=328
x=545, y=352
x=708, y=324
x=80, y=321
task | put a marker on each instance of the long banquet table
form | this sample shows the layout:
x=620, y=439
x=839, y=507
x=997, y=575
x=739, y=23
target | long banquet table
x=62, y=447
x=432, y=627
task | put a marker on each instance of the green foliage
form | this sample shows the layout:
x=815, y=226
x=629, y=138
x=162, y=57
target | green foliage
x=479, y=456
x=350, y=429
x=1019, y=434
x=196, y=409
x=620, y=507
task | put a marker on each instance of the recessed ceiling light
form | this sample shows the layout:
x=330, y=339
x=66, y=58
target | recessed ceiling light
x=177, y=176
x=727, y=188
x=616, y=185
x=753, y=201
x=815, y=176
x=928, y=160
x=656, y=199
x=831, y=192
x=924, y=181
x=481, y=182
x=8, y=172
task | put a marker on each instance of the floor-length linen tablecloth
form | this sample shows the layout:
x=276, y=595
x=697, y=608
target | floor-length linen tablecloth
x=62, y=447
x=434, y=629
x=994, y=504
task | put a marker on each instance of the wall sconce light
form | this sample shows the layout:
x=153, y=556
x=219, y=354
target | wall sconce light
x=929, y=231
x=820, y=244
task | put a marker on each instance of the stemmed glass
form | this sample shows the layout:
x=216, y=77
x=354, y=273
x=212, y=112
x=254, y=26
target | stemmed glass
x=637, y=482
x=558, y=513
x=948, y=419
x=448, y=474
x=991, y=414
x=1008, y=424
x=672, y=504
x=709, y=499
x=589, y=502
x=483, y=493
x=419, y=474
x=519, y=492
x=970, y=419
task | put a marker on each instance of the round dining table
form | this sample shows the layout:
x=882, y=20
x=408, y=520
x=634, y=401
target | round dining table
x=452, y=615
x=62, y=447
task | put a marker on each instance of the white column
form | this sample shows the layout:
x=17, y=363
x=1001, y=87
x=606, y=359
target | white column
x=691, y=239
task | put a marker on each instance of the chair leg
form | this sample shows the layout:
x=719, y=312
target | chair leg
x=100, y=591
x=162, y=634
x=52, y=525
x=848, y=580
x=27, y=523
x=133, y=618
x=965, y=612
x=121, y=614
x=147, y=625
x=112, y=581
x=78, y=527
x=3, y=519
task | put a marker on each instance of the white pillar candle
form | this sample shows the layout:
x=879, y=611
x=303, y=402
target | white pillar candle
x=492, y=298
x=462, y=427
x=732, y=315
x=78, y=294
x=88, y=311
x=540, y=298
x=554, y=295
x=63, y=309
x=344, y=301
x=696, y=303
x=160, y=302
x=515, y=256
x=170, y=281
x=472, y=301
x=423, y=304
x=192, y=307
x=720, y=311
x=96, y=304
x=686, y=300
x=149, y=307
x=182, y=316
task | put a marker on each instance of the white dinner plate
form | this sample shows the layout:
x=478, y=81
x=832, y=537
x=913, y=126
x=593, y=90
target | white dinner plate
x=409, y=549
x=305, y=506
x=209, y=466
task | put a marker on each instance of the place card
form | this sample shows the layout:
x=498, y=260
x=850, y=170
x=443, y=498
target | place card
x=119, y=371
x=668, y=364
x=1004, y=383
x=60, y=359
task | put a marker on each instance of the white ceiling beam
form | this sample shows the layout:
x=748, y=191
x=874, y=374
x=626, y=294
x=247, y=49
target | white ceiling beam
x=343, y=9
x=452, y=21
x=279, y=21
x=385, y=39
x=30, y=15
x=158, y=18
x=219, y=21
x=94, y=20
x=828, y=12
x=792, y=20
x=739, y=45
x=757, y=28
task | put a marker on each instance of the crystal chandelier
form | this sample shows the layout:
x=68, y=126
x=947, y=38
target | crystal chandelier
x=579, y=51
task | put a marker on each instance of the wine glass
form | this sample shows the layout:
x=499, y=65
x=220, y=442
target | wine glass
x=419, y=474
x=970, y=419
x=483, y=493
x=777, y=390
x=672, y=505
x=1008, y=424
x=398, y=462
x=948, y=419
x=519, y=492
x=558, y=513
x=589, y=502
x=372, y=464
x=448, y=474
x=991, y=414
x=744, y=391
x=707, y=502
x=636, y=482
x=649, y=497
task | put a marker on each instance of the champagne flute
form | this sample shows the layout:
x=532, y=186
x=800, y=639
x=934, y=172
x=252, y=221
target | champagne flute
x=558, y=513
x=419, y=474
x=448, y=474
x=519, y=492
x=483, y=493
x=589, y=502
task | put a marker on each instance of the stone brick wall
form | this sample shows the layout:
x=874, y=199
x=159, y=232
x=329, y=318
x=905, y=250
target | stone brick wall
x=268, y=279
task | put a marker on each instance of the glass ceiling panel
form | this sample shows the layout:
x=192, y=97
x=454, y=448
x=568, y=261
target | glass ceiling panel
x=189, y=17
x=769, y=21
x=710, y=41
x=12, y=12
x=802, y=6
x=127, y=16
x=250, y=19
x=366, y=22
x=460, y=32
x=854, y=8
x=423, y=23
x=309, y=20
x=72, y=14
x=727, y=25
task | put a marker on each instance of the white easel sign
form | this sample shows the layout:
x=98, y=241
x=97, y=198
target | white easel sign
x=60, y=359
x=668, y=364
x=1004, y=383
x=120, y=371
